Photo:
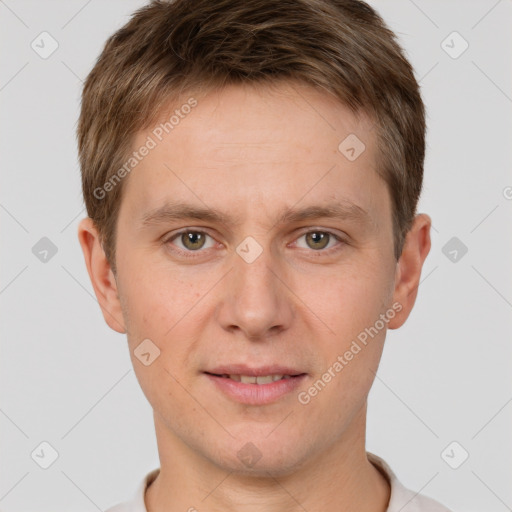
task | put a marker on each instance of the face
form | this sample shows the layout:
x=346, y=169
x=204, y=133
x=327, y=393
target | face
x=250, y=245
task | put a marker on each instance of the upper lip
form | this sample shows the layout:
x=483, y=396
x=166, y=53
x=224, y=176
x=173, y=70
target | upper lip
x=242, y=369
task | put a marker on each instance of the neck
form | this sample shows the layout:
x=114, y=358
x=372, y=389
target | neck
x=339, y=479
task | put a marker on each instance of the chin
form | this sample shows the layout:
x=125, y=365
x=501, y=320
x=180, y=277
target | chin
x=259, y=456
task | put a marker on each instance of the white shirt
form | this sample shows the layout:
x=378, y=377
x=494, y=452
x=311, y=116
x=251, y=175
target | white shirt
x=401, y=499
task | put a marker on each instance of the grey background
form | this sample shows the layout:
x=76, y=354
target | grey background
x=67, y=379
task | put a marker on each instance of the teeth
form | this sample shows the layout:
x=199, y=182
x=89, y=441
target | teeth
x=267, y=379
x=262, y=379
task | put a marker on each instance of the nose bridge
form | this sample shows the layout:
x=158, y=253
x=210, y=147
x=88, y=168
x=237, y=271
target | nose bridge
x=255, y=276
x=255, y=301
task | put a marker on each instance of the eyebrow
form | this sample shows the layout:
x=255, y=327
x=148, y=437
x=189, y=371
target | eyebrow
x=172, y=211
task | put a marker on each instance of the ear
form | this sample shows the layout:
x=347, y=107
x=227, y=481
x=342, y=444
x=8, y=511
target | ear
x=408, y=271
x=101, y=275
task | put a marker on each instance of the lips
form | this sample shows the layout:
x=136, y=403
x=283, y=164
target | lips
x=255, y=385
x=253, y=379
x=260, y=379
x=260, y=371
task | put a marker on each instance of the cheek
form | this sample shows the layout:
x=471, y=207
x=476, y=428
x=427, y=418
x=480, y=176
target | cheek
x=350, y=305
x=155, y=299
x=350, y=298
x=167, y=309
x=159, y=306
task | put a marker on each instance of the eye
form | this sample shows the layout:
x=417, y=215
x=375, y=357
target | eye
x=318, y=240
x=191, y=240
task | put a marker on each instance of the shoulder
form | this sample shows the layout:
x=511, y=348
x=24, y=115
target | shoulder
x=136, y=503
x=403, y=499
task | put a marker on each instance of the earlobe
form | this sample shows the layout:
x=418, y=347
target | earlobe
x=409, y=266
x=101, y=275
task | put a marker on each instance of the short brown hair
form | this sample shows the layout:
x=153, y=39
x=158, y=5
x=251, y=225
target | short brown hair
x=170, y=47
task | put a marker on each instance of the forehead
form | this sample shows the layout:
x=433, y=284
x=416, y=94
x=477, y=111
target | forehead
x=256, y=148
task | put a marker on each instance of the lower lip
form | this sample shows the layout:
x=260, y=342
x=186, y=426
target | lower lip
x=256, y=394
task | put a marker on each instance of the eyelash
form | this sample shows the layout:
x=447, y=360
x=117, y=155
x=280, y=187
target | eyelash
x=194, y=254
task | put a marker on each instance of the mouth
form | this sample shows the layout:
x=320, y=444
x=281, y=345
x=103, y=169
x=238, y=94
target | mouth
x=255, y=379
x=255, y=386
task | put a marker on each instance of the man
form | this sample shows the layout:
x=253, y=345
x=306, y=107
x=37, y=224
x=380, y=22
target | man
x=251, y=172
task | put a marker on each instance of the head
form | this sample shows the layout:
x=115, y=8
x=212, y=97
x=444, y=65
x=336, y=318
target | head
x=251, y=172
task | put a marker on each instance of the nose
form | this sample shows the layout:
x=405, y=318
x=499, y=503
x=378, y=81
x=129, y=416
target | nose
x=255, y=299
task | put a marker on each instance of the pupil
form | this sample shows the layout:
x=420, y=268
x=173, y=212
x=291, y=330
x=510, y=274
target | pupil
x=193, y=240
x=319, y=239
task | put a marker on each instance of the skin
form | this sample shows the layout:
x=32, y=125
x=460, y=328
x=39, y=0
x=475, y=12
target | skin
x=250, y=152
